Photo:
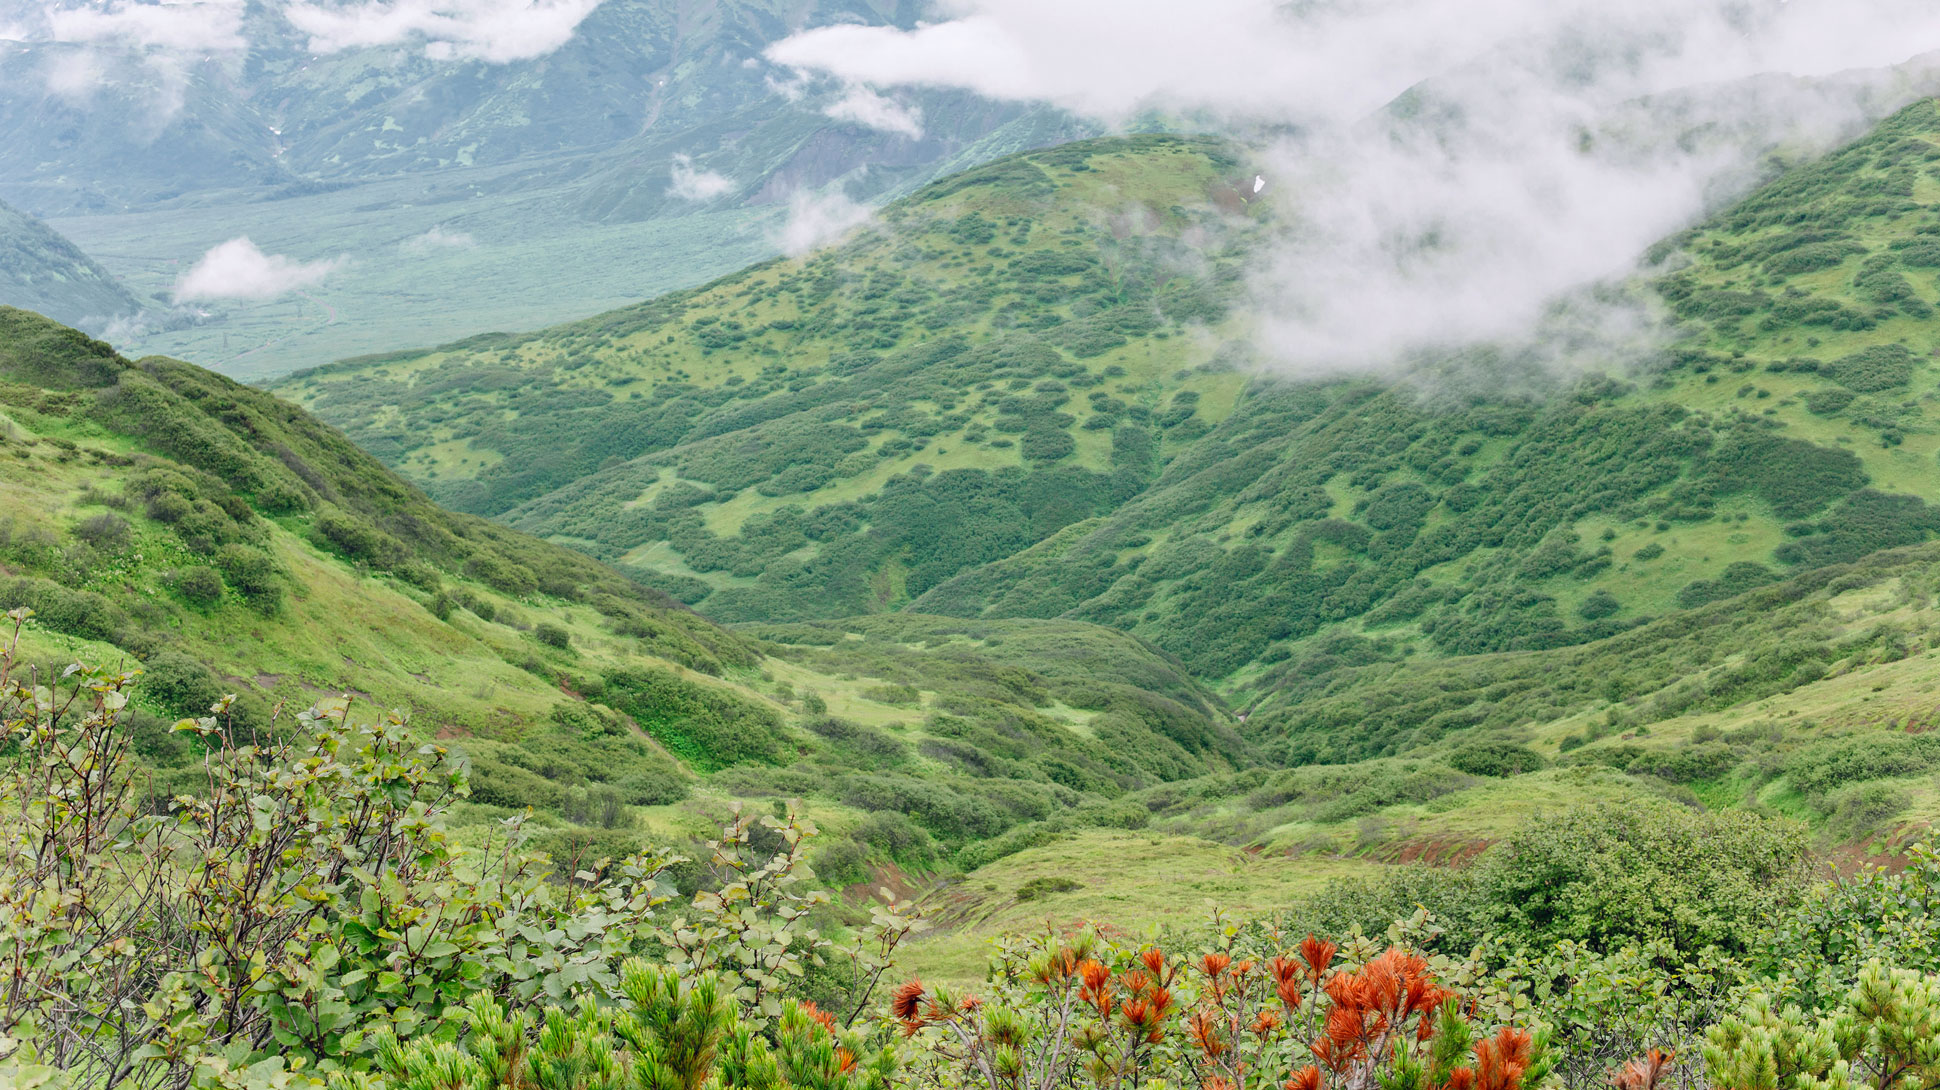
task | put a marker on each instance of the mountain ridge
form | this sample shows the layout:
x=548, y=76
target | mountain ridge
x=226, y=542
x=42, y=270
x=1259, y=528
x=992, y=412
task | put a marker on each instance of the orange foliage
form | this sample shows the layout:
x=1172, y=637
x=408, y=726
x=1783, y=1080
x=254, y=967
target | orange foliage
x=1643, y=1072
x=1241, y=1024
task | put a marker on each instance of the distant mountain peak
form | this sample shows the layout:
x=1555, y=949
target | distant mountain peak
x=40, y=270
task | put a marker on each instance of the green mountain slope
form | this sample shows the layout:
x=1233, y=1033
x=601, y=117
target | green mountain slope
x=1792, y=427
x=1016, y=399
x=42, y=271
x=1011, y=351
x=159, y=514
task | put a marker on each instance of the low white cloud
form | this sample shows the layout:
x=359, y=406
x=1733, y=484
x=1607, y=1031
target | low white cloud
x=792, y=88
x=237, y=269
x=150, y=47
x=74, y=75
x=181, y=27
x=438, y=239
x=816, y=219
x=865, y=107
x=1443, y=171
x=498, y=31
x=691, y=183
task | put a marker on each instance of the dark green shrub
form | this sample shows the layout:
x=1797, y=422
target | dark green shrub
x=1643, y=872
x=1496, y=758
x=358, y=541
x=1045, y=445
x=552, y=635
x=601, y=805
x=897, y=837
x=1870, y=370
x=577, y=849
x=1794, y=476
x=1686, y=764
x=1819, y=769
x=74, y=612
x=1864, y=809
x=107, y=532
x=282, y=498
x=1600, y=604
x=497, y=783
x=652, y=787
x=180, y=685
x=707, y=727
x=1735, y=579
x=198, y=584
x=1827, y=400
x=169, y=507
x=902, y=696
x=841, y=863
x=500, y=576
x=253, y=574
x=862, y=746
x=1117, y=814
x=1812, y=257
x=1047, y=885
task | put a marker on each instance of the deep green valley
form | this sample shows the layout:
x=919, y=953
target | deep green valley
x=641, y=701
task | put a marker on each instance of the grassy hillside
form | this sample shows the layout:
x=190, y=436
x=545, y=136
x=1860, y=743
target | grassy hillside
x=1016, y=398
x=1442, y=619
x=1318, y=527
x=223, y=541
x=42, y=271
x=1011, y=351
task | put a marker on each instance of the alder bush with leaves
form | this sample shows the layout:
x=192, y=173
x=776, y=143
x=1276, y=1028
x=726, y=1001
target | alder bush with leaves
x=305, y=903
x=666, y=1031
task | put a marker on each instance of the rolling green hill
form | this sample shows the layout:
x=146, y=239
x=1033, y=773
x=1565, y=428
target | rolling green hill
x=1011, y=351
x=992, y=501
x=42, y=271
x=1021, y=395
x=221, y=541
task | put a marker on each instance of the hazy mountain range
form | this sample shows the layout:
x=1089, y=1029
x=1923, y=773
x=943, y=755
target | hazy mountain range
x=649, y=147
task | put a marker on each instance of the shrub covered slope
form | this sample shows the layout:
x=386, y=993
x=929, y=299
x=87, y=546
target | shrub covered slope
x=1460, y=609
x=1021, y=395
x=1646, y=656
x=159, y=514
x=42, y=271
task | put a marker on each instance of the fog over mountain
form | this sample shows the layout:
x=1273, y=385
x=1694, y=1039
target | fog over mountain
x=1448, y=171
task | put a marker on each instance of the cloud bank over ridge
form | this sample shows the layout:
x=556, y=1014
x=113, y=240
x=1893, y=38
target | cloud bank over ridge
x=1446, y=169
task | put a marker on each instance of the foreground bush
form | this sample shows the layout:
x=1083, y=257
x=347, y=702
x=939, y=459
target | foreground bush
x=1643, y=873
x=1886, y=1034
x=662, y=1034
x=306, y=903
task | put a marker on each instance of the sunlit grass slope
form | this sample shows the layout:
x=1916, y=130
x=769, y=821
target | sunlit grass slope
x=222, y=541
x=1022, y=395
x=1009, y=351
